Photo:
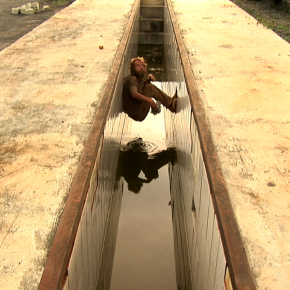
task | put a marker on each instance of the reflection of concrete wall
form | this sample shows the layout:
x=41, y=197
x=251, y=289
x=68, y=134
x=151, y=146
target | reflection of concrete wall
x=92, y=256
x=108, y=250
x=151, y=22
x=199, y=253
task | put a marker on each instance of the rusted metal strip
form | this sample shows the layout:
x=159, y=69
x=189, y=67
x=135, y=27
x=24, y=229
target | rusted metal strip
x=54, y=273
x=240, y=271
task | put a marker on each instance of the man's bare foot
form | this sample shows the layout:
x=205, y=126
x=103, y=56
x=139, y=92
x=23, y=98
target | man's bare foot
x=173, y=106
x=175, y=95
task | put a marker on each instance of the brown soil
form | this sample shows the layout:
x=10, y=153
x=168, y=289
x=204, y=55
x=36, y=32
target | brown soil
x=275, y=17
x=13, y=27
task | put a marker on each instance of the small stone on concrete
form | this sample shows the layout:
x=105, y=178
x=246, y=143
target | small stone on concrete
x=29, y=11
x=28, y=8
x=22, y=9
x=35, y=6
x=15, y=10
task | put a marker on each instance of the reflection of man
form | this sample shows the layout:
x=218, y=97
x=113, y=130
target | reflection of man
x=138, y=94
x=133, y=160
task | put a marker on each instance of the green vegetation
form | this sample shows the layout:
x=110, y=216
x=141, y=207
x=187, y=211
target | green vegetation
x=59, y=2
x=272, y=17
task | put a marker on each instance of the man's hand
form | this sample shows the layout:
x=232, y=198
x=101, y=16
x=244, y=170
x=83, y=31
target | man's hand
x=153, y=104
x=151, y=78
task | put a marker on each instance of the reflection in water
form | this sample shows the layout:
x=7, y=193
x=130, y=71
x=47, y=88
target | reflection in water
x=144, y=252
x=154, y=56
x=134, y=159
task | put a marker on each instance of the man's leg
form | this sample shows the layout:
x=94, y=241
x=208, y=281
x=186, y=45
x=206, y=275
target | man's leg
x=152, y=91
x=141, y=113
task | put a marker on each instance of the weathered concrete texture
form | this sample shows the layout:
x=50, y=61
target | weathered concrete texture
x=51, y=82
x=242, y=72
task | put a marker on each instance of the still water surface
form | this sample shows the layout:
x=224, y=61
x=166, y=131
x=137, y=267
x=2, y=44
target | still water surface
x=144, y=253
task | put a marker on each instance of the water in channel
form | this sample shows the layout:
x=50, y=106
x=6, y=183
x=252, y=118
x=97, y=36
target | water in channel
x=144, y=252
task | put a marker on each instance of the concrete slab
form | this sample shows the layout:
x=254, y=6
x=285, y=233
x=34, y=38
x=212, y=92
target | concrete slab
x=51, y=82
x=242, y=72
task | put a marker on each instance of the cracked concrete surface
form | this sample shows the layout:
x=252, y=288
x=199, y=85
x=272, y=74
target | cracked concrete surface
x=242, y=72
x=51, y=82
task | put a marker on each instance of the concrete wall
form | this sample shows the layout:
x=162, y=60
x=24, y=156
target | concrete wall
x=199, y=252
x=151, y=22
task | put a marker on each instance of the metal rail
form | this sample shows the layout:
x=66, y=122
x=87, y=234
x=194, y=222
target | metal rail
x=55, y=270
x=240, y=271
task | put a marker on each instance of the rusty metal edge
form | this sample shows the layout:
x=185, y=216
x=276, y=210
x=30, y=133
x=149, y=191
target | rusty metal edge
x=236, y=258
x=55, y=270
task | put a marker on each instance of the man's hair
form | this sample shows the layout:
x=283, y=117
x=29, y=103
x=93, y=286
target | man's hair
x=132, y=61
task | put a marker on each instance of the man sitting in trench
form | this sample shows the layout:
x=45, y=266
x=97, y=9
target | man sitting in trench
x=138, y=94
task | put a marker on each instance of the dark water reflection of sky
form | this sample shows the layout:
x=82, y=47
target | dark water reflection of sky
x=144, y=254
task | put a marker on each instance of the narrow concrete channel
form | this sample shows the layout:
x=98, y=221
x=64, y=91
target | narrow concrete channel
x=144, y=253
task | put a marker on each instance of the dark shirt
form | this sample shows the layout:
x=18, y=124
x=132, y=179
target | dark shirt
x=131, y=86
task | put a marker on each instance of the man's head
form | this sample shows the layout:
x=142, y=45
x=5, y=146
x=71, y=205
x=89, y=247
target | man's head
x=138, y=67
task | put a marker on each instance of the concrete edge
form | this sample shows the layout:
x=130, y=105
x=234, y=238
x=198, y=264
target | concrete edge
x=237, y=260
x=54, y=273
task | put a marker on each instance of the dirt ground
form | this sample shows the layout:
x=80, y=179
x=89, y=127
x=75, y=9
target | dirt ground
x=13, y=27
x=271, y=16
